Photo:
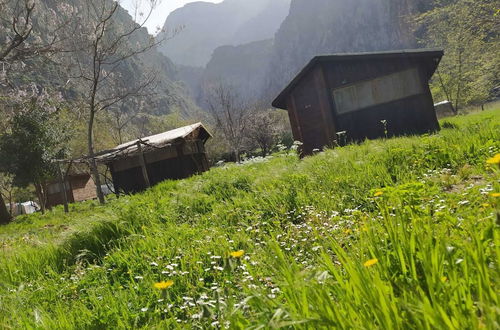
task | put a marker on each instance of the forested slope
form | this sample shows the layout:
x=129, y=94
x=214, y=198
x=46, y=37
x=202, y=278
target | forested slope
x=56, y=19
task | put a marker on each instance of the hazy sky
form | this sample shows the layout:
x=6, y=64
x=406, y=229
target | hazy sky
x=160, y=13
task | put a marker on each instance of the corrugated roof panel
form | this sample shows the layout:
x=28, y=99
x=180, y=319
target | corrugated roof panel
x=154, y=141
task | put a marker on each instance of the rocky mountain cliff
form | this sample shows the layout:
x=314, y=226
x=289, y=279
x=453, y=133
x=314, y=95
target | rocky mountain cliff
x=242, y=68
x=337, y=26
x=202, y=27
x=261, y=69
x=170, y=94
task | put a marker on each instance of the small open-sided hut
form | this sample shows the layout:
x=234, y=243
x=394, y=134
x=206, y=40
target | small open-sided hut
x=359, y=96
x=79, y=187
x=176, y=154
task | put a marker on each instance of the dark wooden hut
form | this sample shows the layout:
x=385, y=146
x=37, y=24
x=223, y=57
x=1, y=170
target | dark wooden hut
x=359, y=96
x=139, y=164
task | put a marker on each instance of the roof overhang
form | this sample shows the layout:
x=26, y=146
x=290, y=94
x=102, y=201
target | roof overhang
x=434, y=55
x=129, y=149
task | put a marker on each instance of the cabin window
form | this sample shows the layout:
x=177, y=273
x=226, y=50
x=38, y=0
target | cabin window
x=378, y=91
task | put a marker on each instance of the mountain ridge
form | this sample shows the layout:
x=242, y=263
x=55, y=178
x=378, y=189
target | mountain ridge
x=197, y=29
x=56, y=73
x=327, y=26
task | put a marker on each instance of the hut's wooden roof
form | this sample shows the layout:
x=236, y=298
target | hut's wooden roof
x=434, y=55
x=192, y=132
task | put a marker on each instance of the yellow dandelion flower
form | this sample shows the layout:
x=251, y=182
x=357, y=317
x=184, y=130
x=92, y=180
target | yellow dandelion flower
x=485, y=205
x=163, y=285
x=370, y=262
x=378, y=194
x=237, y=254
x=495, y=160
x=444, y=279
x=495, y=195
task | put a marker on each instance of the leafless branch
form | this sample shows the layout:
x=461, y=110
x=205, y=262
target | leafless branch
x=107, y=44
x=230, y=114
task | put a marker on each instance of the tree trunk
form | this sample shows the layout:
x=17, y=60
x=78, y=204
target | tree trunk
x=445, y=90
x=62, y=185
x=5, y=216
x=40, y=195
x=459, y=85
x=120, y=136
x=237, y=156
x=97, y=180
x=265, y=150
x=93, y=164
x=11, y=204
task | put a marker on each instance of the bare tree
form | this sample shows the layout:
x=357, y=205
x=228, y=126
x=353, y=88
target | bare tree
x=16, y=18
x=230, y=114
x=103, y=47
x=20, y=39
x=120, y=118
x=265, y=126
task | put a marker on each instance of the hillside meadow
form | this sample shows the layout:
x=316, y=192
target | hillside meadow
x=388, y=234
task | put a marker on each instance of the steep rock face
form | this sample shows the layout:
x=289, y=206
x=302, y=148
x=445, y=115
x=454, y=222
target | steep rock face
x=191, y=77
x=242, y=68
x=337, y=26
x=259, y=70
x=264, y=25
x=202, y=27
x=169, y=96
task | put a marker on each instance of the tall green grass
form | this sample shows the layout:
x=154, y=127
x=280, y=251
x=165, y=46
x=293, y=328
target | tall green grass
x=420, y=209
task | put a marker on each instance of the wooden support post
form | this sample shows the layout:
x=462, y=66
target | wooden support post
x=62, y=185
x=144, y=168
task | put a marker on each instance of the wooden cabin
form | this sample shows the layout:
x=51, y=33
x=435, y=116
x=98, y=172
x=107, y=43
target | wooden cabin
x=359, y=96
x=79, y=187
x=140, y=164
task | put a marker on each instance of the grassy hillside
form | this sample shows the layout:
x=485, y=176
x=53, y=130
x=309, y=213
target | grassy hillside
x=399, y=233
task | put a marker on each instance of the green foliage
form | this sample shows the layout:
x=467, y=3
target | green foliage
x=468, y=31
x=28, y=150
x=420, y=209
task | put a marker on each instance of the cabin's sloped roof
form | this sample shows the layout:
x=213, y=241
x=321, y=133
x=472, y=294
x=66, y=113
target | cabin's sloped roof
x=164, y=138
x=280, y=101
x=195, y=131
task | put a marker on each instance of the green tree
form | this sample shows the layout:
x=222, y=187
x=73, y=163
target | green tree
x=21, y=41
x=468, y=31
x=35, y=139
